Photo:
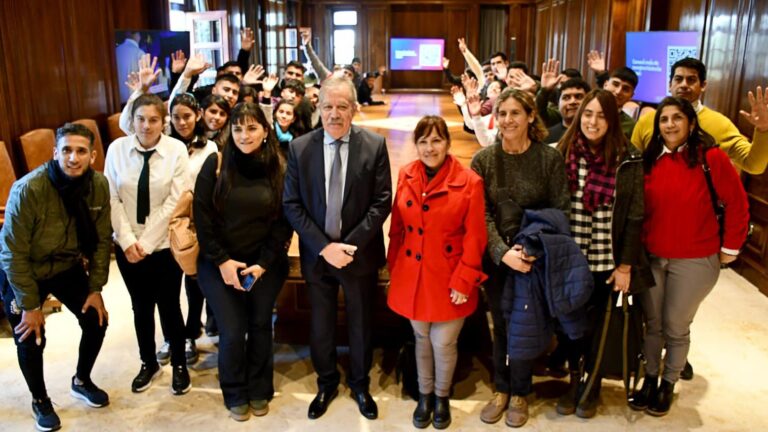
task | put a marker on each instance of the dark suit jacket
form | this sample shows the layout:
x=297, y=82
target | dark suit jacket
x=366, y=203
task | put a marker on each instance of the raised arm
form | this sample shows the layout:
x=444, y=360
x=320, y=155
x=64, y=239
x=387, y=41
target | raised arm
x=471, y=60
x=317, y=64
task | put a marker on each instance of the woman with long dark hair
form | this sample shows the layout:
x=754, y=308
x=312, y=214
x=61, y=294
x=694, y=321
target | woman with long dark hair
x=215, y=119
x=243, y=258
x=686, y=175
x=605, y=178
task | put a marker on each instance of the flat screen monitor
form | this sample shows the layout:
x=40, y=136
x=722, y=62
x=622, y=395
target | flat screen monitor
x=416, y=54
x=130, y=45
x=652, y=54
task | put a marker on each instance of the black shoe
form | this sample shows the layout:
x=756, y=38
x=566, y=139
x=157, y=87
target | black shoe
x=587, y=406
x=659, y=406
x=687, y=372
x=566, y=405
x=146, y=375
x=45, y=417
x=422, y=415
x=180, y=383
x=89, y=393
x=366, y=404
x=320, y=403
x=639, y=400
x=442, y=417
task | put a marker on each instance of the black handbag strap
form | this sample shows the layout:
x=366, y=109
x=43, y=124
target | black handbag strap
x=501, y=176
x=716, y=204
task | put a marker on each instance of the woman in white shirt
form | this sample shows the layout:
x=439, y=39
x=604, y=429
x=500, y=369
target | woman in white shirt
x=147, y=171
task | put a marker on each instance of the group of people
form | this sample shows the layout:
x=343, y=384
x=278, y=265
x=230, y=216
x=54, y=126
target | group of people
x=549, y=233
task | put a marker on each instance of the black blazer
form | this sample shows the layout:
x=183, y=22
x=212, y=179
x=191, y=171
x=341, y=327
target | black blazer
x=366, y=203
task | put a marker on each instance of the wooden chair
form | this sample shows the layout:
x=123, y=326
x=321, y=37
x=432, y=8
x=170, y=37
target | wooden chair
x=7, y=177
x=98, y=145
x=113, y=124
x=37, y=147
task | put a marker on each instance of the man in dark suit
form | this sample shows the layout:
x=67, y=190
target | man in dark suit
x=338, y=192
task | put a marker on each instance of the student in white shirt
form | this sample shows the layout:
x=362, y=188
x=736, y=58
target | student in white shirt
x=147, y=171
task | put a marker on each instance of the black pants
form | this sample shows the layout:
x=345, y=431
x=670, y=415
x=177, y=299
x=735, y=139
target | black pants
x=155, y=280
x=71, y=288
x=359, y=295
x=494, y=288
x=582, y=348
x=192, y=330
x=245, y=331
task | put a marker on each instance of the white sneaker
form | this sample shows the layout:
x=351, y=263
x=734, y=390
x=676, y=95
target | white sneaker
x=164, y=354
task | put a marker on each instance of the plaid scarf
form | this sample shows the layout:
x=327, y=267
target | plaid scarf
x=600, y=182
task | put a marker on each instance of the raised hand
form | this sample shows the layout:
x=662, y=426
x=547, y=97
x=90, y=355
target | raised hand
x=596, y=61
x=474, y=104
x=132, y=81
x=196, y=65
x=306, y=36
x=147, y=72
x=470, y=84
x=178, y=61
x=269, y=83
x=446, y=62
x=550, y=75
x=246, y=39
x=519, y=80
x=758, y=113
x=458, y=96
x=254, y=73
x=462, y=45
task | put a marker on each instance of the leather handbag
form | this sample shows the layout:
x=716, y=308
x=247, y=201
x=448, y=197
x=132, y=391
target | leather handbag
x=182, y=233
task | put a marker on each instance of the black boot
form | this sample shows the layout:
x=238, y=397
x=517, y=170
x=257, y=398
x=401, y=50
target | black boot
x=639, y=400
x=659, y=406
x=422, y=415
x=566, y=405
x=687, y=372
x=442, y=416
x=587, y=406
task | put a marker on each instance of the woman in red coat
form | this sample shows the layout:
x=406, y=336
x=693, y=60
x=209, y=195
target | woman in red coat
x=437, y=238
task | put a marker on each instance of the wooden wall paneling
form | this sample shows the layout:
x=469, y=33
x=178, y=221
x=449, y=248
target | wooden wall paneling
x=376, y=46
x=573, y=53
x=542, y=31
x=521, y=26
x=460, y=20
x=596, y=31
x=558, y=23
x=723, y=53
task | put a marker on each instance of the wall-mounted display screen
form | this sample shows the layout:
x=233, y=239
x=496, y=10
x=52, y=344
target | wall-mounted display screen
x=652, y=54
x=130, y=45
x=416, y=54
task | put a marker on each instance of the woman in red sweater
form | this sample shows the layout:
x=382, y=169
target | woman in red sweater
x=683, y=236
x=436, y=242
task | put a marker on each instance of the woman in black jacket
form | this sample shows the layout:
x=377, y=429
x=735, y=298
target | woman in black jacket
x=605, y=177
x=243, y=260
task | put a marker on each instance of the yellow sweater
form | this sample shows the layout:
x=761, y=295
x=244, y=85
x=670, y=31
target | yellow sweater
x=749, y=157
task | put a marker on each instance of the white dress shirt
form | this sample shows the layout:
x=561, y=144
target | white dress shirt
x=197, y=157
x=167, y=179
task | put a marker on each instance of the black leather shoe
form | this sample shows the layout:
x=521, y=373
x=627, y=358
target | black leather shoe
x=320, y=403
x=366, y=404
x=639, y=400
x=687, y=372
x=659, y=406
x=422, y=415
x=442, y=417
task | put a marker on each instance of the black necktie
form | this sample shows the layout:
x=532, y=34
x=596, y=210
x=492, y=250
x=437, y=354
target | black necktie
x=333, y=207
x=142, y=197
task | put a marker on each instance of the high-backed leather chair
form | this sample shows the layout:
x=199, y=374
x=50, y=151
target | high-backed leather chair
x=37, y=147
x=113, y=124
x=98, y=145
x=7, y=177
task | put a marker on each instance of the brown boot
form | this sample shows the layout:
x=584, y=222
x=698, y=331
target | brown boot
x=517, y=413
x=494, y=409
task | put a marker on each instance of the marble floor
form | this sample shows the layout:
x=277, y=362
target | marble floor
x=729, y=350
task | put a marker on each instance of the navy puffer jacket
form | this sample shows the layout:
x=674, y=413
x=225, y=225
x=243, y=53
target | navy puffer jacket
x=557, y=287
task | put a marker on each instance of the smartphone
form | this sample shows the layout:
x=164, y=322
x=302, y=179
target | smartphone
x=248, y=281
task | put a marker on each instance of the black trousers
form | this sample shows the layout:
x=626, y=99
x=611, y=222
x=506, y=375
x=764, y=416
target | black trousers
x=155, y=280
x=245, y=331
x=359, y=295
x=494, y=288
x=582, y=348
x=71, y=288
x=192, y=330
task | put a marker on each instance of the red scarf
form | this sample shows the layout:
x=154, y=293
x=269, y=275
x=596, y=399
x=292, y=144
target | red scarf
x=600, y=182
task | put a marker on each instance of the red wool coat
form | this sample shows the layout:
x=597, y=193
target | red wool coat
x=436, y=242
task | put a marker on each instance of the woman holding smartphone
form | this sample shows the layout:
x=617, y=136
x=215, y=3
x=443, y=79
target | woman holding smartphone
x=243, y=258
